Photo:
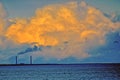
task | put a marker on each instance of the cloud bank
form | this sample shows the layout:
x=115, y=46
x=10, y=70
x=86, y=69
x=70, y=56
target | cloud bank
x=2, y=21
x=63, y=30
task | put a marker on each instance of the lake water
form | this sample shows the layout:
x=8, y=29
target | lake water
x=61, y=72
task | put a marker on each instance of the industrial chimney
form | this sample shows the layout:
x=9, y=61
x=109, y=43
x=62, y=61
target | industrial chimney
x=30, y=59
x=16, y=60
x=23, y=63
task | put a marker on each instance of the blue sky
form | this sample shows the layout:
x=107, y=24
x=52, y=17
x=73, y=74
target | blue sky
x=99, y=39
x=26, y=8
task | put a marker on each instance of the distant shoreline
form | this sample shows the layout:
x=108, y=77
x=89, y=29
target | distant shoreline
x=97, y=64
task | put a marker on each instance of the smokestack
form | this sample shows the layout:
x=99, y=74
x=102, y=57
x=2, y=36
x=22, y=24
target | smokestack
x=16, y=59
x=30, y=59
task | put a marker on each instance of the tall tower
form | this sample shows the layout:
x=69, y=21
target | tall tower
x=16, y=60
x=30, y=59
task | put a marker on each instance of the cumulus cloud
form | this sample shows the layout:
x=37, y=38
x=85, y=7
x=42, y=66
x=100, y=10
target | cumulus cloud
x=2, y=21
x=63, y=30
x=4, y=41
x=2, y=17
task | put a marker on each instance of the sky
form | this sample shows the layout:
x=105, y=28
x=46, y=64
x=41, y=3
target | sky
x=60, y=31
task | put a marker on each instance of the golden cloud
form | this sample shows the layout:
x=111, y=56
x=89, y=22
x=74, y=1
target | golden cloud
x=80, y=25
x=2, y=22
x=2, y=18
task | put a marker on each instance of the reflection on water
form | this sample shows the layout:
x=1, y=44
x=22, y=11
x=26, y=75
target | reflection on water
x=60, y=72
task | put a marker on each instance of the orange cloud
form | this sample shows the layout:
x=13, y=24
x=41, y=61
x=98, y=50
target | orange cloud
x=2, y=23
x=80, y=25
x=2, y=18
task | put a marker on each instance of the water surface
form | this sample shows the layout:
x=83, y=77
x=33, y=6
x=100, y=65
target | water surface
x=61, y=72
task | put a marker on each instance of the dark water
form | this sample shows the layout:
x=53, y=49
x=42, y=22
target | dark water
x=61, y=72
